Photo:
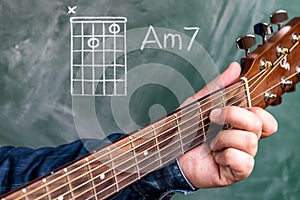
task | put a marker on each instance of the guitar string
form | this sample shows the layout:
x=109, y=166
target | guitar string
x=277, y=62
x=261, y=73
x=165, y=155
x=232, y=86
x=167, y=130
x=228, y=92
x=268, y=74
x=197, y=123
x=153, y=154
x=229, y=87
x=274, y=86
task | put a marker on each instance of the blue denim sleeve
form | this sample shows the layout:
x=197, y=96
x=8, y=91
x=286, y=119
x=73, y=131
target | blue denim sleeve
x=20, y=165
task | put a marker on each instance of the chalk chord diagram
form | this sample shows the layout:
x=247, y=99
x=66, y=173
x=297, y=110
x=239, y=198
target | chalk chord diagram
x=98, y=56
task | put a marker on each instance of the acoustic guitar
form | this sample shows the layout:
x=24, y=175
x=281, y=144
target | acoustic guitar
x=272, y=69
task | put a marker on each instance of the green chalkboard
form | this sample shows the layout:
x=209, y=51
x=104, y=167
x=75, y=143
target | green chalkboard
x=37, y=108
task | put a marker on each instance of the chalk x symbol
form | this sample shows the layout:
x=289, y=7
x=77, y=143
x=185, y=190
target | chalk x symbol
x=72, y=10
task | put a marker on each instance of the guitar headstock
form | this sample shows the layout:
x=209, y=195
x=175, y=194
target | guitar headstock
x=274, y=67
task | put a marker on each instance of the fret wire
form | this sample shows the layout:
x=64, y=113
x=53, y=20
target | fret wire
x=24, y=190
x=44, y=180
x=201, y=120
x=135, y=157
x=179, y=133
x=92, y=180
x=87, y=182
x=69, y=183
x=113, y=169
x=223, y=100
x=107, y=188
x=165, y=148
x=231, y=86
x=157, y=144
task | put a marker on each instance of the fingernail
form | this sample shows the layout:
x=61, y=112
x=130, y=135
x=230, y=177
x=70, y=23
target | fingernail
x=216, y=113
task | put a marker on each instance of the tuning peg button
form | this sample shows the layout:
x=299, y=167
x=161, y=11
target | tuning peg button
x=296, y=38
x=285, y=82
x=277, y=101
x=269, y=96
x=292, y=89
x=278, y=17
x=263, y=29
x=246, y=42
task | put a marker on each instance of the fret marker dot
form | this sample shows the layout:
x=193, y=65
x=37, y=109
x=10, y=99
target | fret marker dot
x=102, y=176
x=60, y=198
x=86, y=159
x=24, y=190
x=146, y=153
x=44, y=180
x=65, y=169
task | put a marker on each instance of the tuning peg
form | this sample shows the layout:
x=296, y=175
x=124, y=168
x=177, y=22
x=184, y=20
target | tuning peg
x=263, y=29
x=270, y=96
x=246, y=42
x=292, y=89
x=277, y=101
x=285, y=82
x=278, y=17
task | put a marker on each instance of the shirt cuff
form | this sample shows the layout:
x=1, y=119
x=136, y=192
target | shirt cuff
x=161, y=184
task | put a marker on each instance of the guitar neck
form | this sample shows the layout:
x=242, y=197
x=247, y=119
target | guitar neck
x=112, y=168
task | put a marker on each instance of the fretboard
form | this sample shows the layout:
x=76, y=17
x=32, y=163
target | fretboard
x=105, y=172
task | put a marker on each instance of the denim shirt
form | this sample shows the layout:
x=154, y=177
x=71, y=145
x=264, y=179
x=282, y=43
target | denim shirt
x=20, y=165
